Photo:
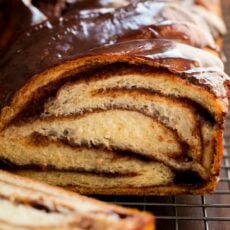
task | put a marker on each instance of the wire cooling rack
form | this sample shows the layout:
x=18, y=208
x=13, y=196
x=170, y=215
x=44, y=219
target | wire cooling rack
x=210, y=212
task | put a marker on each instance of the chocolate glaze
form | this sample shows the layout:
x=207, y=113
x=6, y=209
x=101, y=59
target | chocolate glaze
x=53, y=42
x=182, y=32
x=17, y=16
x=175, y=57
x=55, y=8
x=51, y=8
x=197, y=66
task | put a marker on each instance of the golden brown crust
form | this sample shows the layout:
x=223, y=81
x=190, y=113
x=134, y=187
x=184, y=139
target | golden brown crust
x=219, y=146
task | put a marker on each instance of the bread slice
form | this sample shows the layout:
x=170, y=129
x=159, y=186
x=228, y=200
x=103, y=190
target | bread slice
x=139, y=117
x=26, y=204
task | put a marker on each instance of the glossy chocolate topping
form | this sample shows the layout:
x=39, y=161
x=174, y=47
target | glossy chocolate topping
x=197, y=66
x=51, y=8
x=163, y=52
x=53, y=42
x=207, y=10
x=185, y=60
x=55, y=8
x=17, y=16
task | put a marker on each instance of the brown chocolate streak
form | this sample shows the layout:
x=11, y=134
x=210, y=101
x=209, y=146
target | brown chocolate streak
x=38, y=139
x=36, y=204
x=35, y=107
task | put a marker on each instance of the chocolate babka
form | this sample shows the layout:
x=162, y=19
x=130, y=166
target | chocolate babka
x=127, y=100
x=26, y=204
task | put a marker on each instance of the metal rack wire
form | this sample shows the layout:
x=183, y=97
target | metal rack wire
x=210, y=212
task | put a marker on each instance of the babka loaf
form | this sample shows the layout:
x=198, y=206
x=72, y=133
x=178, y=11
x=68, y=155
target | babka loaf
x=26, y=204
x=93, y=102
